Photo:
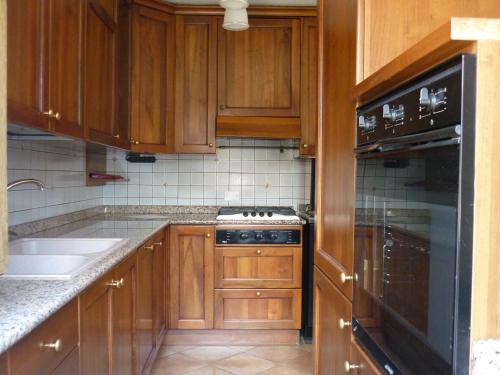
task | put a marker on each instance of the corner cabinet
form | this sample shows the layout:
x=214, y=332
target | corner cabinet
x=152, y=81
x=196, y=86
x=191, y=276
x=259, y=79
x=44, y=45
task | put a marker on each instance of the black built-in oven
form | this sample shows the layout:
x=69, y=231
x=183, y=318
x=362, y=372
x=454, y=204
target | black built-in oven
x=413, y=223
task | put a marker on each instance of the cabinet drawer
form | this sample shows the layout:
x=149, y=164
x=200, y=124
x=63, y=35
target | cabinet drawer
x=28, y=357
x=258, y=267
x=257, y=308
x=361, y=362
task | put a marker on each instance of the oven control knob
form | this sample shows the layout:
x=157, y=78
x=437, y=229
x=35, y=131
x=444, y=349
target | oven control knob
x=244, y=236
x=259, y=236
x=274, y=236
x=367, y=123
x=432, y=101
x=393, y=115
x=361, y=122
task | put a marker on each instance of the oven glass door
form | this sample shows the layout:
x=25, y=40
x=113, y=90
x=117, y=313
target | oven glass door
x=405, y=255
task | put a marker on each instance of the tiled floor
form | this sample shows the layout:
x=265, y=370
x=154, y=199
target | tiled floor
x=234, y=360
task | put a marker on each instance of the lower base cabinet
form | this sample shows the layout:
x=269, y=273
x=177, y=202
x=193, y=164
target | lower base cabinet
x=332, y=331
x=360, y=363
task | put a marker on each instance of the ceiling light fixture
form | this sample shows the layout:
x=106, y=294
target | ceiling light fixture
x=235, y=16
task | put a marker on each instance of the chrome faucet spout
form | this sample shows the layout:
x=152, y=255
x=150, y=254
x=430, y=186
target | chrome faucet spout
x=13, y=184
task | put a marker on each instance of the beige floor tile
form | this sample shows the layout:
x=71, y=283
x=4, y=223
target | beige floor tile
x=210, y=353
x=171, y=349
x=208, y=370
x=285, y=370
x=244, y=364
x=176, y=364
x=303, y=362
x=277, y=353
x=307, y=347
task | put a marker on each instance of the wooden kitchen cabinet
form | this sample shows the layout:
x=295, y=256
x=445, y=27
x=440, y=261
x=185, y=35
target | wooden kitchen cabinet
x=259, y=79
x=4, y=364
x=331, y=342
x=48, y=345
x=309, y=88
x=360, y=362
x=44, y=41
x=191, y=276
x=258, y=267
x=152, y=81
x=258, y=308
x=160, y=286
x=100, y=90
x=196, y=84
x=107, y=322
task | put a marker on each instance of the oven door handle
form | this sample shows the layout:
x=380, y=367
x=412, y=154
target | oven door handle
x=368, y=148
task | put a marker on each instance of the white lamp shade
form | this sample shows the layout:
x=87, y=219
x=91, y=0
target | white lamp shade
x=235, y=19
x=234, y=4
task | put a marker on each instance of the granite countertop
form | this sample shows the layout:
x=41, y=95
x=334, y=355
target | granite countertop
x=24, y=304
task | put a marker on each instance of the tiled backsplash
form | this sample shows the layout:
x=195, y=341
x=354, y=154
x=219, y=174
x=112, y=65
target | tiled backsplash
x=61, y=166
x=255, y=172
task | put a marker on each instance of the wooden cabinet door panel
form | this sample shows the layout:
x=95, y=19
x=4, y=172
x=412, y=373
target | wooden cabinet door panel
x=160, y=286
x=152, y=106
x=331, y=342
x=4, y=364
x=65, y=66
x=258, y=267
x=145, y=304
x=196, y=90
x=27, y=58
x=191, y=276
x=257, y=308
x=123, y=319
x=259, y=69
x=70, y=365
x=99, y=86
x=336, y=162
x=309, y=88
x=96, y=328
x=361, y=359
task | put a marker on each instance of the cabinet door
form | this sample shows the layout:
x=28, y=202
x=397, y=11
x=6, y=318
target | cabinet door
x=309, y=87
x=145, y=304
x=26, y=78
x=160, y=287
x=123, y=300
x=259, y=69
x=70, y=365
x=4, y=364
x=191, y=276
x=65, y=66
x=195, y=90
x=152, y=90
x=99, y=77
x=335, y=165
x=96, y=328
x=361, y=362
x=331, y=342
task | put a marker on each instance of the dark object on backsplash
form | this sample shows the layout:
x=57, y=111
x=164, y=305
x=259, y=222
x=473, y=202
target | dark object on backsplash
x=105, y=177
x=140, y=158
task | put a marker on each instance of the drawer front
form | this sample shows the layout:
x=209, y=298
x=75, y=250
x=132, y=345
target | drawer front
x=257, y=308
x=28, y=357
x=258, y=267
x=361, y=362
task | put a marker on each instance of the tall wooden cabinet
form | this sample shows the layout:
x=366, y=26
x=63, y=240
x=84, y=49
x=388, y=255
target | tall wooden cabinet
x=196, y=85
x=152, y=81
x=44, y=41
x=191, y=276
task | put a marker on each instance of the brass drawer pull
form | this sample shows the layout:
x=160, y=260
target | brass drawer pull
x=116, y=283
x=116, y=136
x=151, y=248
x=348, y=367
x=258, y=252
x=258, y=294
x=52, y=114
x=343, y=323
x=158, y=243
x=344, y=277
x=209, y=235
x=210, y=145
x=56, y=345
x=305, y=145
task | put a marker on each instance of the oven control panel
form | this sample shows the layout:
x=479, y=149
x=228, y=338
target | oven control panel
x=257, y=236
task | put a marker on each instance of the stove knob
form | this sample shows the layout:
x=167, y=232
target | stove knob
x=259, y=236
x=274, y=236
x=261, y=213
x=432, y=101
x=254, y=213
x=393, y=115
x=270, y=214
x=245, y=213
x=244, y=236
x=361, y=122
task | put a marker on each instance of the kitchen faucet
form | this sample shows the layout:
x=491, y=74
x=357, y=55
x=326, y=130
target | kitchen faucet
x=26, y=181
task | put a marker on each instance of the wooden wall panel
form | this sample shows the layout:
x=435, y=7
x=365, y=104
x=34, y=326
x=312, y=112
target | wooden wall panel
x=390, y=27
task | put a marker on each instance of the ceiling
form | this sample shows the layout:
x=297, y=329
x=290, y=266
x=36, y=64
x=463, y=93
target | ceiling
x=252, y=2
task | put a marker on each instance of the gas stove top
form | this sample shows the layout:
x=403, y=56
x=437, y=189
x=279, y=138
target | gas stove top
x=257, y=213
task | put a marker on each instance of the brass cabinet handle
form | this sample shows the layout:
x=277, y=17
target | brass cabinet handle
x=56, y=345
x=49, y=113
x=305, y=145
x=116, y=136
x=344, y=277
x=210, y=145
x=57, y=116
x=348, y=367
x=132, y=142
x=258, y=294
x=136, y=142
x=343, y=323
x=158, y=243
x=209, y=235
x=258, y=252
x=116, y=283
x=149, y=247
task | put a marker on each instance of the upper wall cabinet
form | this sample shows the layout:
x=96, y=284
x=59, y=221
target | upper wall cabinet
x=196, y=86
x=259, y=79
x=100, y=105
x=44, y=41
x=152, y=81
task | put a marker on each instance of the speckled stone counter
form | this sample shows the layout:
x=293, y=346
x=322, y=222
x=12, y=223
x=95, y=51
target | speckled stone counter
x=486, y=357
x=24, y=304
